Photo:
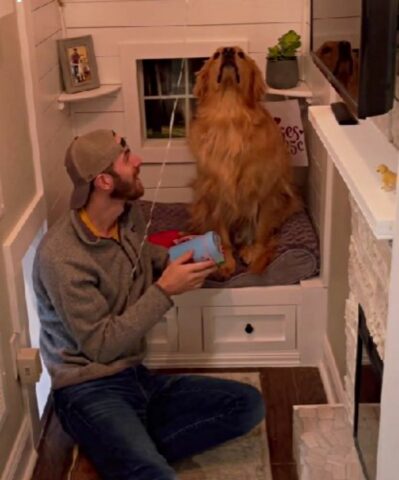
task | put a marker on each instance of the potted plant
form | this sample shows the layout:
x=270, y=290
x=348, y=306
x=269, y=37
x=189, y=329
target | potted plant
x=282, y=63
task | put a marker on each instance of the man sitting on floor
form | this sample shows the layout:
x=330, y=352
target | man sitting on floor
x=100, y=289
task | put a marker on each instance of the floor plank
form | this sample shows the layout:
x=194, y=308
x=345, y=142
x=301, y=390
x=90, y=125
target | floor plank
x=279, y=392
x=285, y=471
x=282, y=388
x=55, y=450
x=308, y=387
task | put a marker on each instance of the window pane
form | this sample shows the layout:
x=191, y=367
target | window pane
x=193, y=107
x=194, y=66
x=161, y=77
x=157, y=115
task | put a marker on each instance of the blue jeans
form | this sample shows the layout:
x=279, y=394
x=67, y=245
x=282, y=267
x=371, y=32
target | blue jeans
x=132, y=425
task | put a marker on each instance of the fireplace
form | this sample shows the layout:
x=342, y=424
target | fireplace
x=368, y=382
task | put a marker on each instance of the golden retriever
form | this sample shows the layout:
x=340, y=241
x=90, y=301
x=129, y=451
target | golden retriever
x=343, y=62
x=243, y=187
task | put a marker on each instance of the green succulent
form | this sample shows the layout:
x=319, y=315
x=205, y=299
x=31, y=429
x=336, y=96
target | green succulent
x=286, y=47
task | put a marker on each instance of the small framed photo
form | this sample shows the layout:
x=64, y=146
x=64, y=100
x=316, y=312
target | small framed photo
x=78, y=64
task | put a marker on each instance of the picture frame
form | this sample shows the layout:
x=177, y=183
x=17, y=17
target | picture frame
x=78, y=64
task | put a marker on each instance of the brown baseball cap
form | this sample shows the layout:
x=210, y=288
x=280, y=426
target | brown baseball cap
x=86, y=157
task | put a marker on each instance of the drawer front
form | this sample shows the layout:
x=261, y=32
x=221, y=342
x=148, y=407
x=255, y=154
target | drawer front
x=249, y=329
x=163, y=337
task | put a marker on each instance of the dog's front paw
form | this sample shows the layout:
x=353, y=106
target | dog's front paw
x=248, y=254
x=227, y=269
x=258, y=256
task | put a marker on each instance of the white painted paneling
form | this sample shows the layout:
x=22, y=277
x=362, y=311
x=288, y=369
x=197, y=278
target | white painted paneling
x=46, y=55
x=85, y=122
x=22, y=458
x=107, y=103
x=6, y=7
x=51, y=120
x=51, y=183
x=49, y=89
x=35, y=4
x=169, y=195
x=56, y=182
x=174, y=175
x=164, y=336
x=59, y=192
x=222, y=12
x=179, y=12
x=112, y=22
x=260, y=36
x=3, y=406
x=53, y=162
x=14, y=248
x=125, y=14
x=109, y=70
x=1, y=202
x=60, y=207
x=260, y=60
x=46, y=22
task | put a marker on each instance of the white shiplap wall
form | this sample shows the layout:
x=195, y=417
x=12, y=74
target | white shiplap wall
x=111, y=22
x=54, y=127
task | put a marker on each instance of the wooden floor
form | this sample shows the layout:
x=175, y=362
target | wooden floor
x=282, y=388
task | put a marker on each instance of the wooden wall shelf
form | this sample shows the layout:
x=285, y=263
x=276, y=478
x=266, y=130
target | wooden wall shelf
x=86, y=95
x=300, y=91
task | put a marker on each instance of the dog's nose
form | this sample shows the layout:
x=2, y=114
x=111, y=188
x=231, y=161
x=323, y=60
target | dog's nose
x=228, y=52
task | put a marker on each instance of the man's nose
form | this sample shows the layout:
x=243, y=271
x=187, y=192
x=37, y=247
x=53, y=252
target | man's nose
x=136, y=160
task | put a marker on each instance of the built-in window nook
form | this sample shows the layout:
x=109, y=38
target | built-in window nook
x=150, y=74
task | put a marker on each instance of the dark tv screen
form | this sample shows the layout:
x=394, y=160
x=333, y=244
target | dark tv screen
x=353, y=42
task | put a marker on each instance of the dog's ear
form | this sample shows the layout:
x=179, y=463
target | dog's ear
x=257, y=88
x=202, y=81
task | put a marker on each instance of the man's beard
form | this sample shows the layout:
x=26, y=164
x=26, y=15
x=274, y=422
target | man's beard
x=127, y=191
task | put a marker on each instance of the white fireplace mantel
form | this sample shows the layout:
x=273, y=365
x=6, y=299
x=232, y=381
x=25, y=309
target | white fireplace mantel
x=356, y=151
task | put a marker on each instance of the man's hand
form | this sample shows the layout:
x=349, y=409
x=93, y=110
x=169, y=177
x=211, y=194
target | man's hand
x=180, y=276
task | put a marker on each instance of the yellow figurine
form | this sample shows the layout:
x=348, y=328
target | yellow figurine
x=388, y=178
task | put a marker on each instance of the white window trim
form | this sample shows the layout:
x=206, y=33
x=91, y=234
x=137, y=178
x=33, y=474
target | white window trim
x=153, y=151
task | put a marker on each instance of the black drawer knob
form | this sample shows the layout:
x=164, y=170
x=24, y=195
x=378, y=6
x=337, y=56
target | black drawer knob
x=249, y=328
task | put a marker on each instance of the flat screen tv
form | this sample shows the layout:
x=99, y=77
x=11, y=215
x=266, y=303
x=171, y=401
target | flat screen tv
x=353, y=42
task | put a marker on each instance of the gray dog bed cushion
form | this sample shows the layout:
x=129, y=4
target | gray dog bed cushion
x=297, y=256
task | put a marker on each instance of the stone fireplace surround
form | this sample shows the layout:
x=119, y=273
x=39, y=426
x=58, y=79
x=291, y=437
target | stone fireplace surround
x=369, y=271
x=323, y=434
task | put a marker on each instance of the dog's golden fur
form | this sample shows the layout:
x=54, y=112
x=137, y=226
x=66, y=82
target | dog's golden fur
x=243, y=186
x=343, y=62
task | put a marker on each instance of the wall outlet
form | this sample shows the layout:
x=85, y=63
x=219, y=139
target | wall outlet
x=29, y=365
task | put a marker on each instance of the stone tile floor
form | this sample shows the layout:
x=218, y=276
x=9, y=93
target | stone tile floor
x=323, y=444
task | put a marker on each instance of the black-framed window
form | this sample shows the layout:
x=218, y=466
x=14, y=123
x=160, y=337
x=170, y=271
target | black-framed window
x=161, y=88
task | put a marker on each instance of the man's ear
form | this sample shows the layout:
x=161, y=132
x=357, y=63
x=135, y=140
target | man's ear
x=104, y=181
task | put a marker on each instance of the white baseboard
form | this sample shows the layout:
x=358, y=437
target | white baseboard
x=23, y=456
x=330, y=376
x=222, y=360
